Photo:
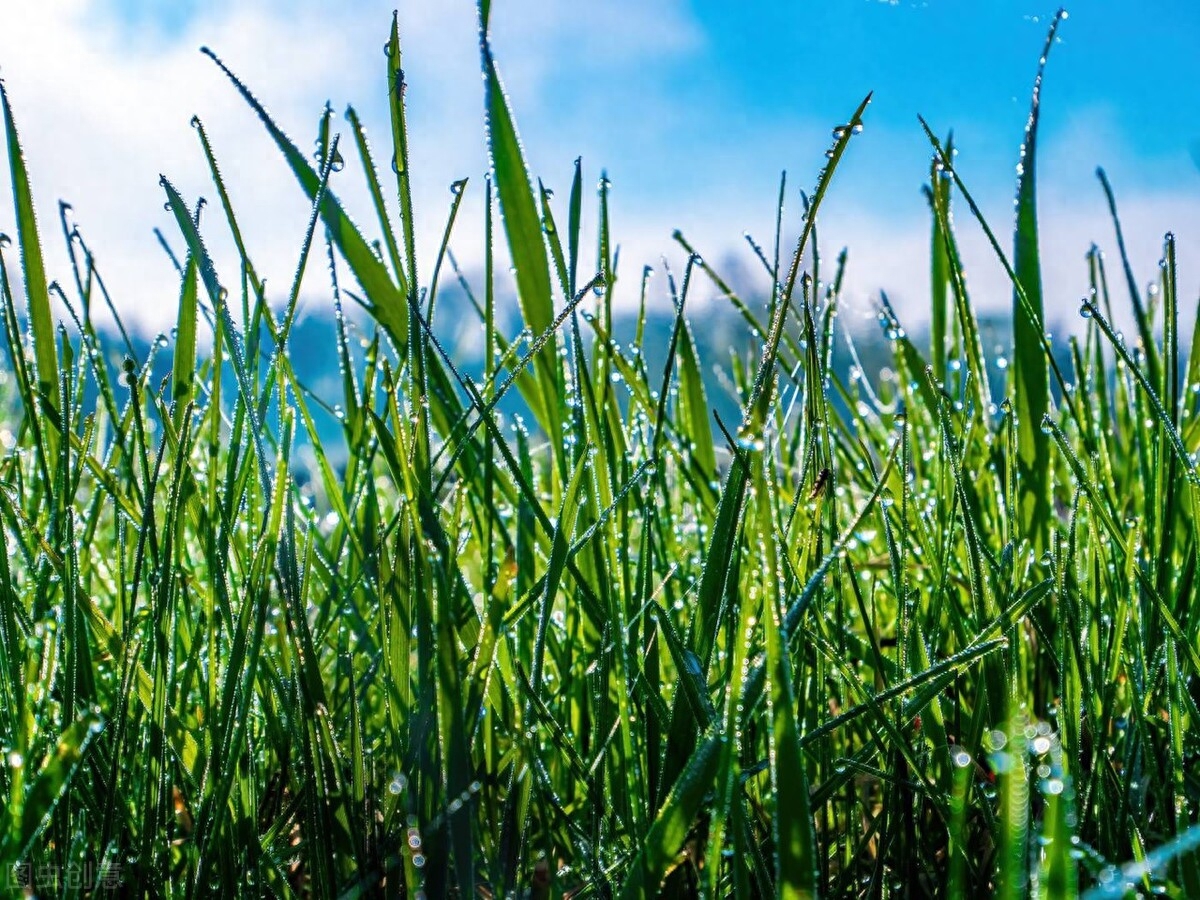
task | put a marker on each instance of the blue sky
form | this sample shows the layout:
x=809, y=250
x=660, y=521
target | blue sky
x=693, y=108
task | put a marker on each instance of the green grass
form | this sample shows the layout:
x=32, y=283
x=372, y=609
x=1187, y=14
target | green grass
x=879, y=638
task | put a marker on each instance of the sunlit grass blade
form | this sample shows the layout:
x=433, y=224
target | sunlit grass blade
x=37, y=295
x=969, y=343
x=1141, y=314
x=52, y=779
x=693, y=405
x=372, y=179
x=938, y=194
x=385, y=298
x=1030, y=374
x=523, y=228
x=183, y=362
x=671, y=825
x=218, y=296
x=400, y=159
x=796, y=862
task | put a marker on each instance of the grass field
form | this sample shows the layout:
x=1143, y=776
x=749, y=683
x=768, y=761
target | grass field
x=881, y=637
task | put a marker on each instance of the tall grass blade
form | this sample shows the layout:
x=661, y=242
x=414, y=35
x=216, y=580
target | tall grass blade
x=386, y=300
x=938, y=195
x=183, y=362
x=796, y=861
x=1030, y=372
x=37, y=294
x=523, y=228
x=670, y=829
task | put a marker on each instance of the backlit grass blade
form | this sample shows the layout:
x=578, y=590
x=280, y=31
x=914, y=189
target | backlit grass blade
x=1057, y=875
x=1185, y=460
x=1012, y=764
x=1170, y=357
x=53, y=778
x=21, y=370
x=372, y=179
x=969, y=343
x=796, y=862
x=554, y=239
x=1020, y=298
x=385, y=298
x=521, y=223
x=671, y=825
x=938, y=194
x=1031, y=378
x=560, y=544
x=183, y=362
x=1193, y=365
x=523, y=228
x=37, y=295
x=574, y=221
x=907, y=354
x=693, y=404
x=400, y=160
x=218, y=296
x=1141, y=315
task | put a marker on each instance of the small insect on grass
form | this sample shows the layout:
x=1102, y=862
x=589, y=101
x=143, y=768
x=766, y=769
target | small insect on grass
x=820, y=485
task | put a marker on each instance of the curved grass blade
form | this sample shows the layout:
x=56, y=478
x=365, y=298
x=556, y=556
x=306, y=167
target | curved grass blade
x=1030, y=372
x=796, y=863
x=523, y=228
x=671, y=826
x=1140, y=315
x=53, y=779
x=385, y=299
x=400, y=162
x=521, y=222
x=183, y=363
x=37, y=293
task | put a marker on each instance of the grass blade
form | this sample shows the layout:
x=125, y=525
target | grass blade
x=385, y=299
x=1030, y=372
x=37, y=295
x=523, y=228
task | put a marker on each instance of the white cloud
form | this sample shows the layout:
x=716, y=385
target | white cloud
x=104, y=108
x=99, y=130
